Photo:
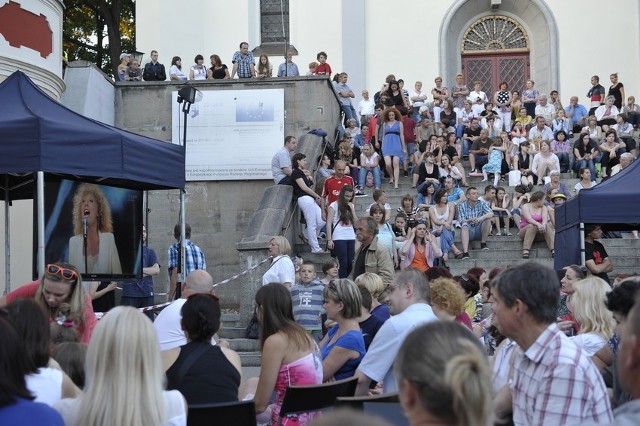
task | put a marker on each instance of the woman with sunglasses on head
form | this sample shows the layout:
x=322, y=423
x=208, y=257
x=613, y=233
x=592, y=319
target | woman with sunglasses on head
x=60, y=284
x=203, y=373
x=420, y=248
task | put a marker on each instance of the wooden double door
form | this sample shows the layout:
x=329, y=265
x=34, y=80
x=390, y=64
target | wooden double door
x=493, y=69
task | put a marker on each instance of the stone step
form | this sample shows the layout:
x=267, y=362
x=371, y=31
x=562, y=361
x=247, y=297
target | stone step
x=232, y=332
x=229, y=320
x=244, y=345
x=250, y=359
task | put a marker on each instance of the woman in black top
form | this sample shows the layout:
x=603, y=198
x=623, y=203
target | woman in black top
x=203, y=373
x=308, y=200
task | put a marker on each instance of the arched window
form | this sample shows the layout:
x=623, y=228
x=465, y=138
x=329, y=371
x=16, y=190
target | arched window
x=494, y=34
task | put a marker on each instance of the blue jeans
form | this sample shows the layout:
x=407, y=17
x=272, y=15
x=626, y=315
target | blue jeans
x=362, y=179
x=466, y=147
x=345, y=251
x=581, y=164
x=349, y=112
x=446, y=239
x=565, y=161
x=459, y=130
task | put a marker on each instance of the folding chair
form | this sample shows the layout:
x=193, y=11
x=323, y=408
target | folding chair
x=225, y=413
x=357, y=402
x=309, y=398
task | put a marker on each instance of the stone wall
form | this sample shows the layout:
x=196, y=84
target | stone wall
x=218, y=211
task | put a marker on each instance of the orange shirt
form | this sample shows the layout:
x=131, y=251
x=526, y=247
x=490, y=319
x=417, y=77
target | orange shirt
x=419, y=261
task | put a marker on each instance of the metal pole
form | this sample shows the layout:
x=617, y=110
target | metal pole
x=40, y=210
x=582, y=251
x=7, y=238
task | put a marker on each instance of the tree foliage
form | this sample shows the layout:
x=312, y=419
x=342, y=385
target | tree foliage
x=98, y=31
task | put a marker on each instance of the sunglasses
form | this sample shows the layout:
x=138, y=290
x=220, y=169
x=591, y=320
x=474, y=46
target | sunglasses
x=66, y=273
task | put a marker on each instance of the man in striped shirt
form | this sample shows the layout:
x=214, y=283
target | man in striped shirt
x=554, y=382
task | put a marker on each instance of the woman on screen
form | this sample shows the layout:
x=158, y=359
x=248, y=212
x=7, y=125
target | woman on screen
x=92, y=221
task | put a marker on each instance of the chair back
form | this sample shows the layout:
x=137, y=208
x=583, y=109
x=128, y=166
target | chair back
x=225, y=413
x=357, y=402
x=309, y=398
x=390, y=411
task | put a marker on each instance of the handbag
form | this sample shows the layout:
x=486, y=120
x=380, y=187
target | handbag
x=253, y=329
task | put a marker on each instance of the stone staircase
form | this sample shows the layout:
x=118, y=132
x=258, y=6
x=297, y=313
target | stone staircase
x=503, y=251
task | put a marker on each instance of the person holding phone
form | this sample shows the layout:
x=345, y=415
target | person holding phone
x=420, y=248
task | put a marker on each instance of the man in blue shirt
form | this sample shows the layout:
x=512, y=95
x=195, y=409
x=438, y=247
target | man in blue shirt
x=139, y=293
x=288, y=68
x=345, y=94
x=194, y=259
x=577, y=114
x=473, y=214
x=243, y=62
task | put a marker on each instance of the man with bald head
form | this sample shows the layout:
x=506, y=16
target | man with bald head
x=167, y=323
x=333, y=185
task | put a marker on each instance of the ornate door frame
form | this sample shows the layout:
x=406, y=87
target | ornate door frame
x=495, y=48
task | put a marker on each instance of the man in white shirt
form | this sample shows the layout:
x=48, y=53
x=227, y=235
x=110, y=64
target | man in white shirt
x=167, y=323
x=545, y=109
x=540, y=131
x=409, y=294
x=281, y=162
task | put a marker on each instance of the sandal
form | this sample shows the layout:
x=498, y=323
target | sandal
x=509, y=234
x=525, y=254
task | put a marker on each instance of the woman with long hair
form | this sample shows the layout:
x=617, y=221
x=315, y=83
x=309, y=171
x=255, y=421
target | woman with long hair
x=342, y=348
x=91, y=210
x=45, y=380
x=593, y=129
x=441, y=216
x=444, y=377
x=265, y=68
x=289, y=355
x=447, y=118
x=587, y=303
x=341, y=238
x=420, y=248
x=535, y=224
x=585, y=153
x=218, y=70
x=16, y=400
x=175, y=72
x=215, y=374
x=124, y=380
x=307, y=200
x=566, y=320
x=393, y=144
x=611, y=148
x=60, y=284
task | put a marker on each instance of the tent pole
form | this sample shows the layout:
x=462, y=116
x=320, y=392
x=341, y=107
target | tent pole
x=582, y=253
x=40, y=210
x=7, y=238
x=183, y=256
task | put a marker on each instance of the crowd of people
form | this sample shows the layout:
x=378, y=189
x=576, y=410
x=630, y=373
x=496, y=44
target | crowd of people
x=243, y=66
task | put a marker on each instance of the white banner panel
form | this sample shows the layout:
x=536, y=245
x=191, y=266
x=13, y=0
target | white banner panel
x=231, y=134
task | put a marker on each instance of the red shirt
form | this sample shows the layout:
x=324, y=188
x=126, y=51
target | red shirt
x=333, y=185
x=409, y=127
x=323, y=69
x=28, y=291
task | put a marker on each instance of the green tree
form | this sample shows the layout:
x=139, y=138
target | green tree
x=98, y=31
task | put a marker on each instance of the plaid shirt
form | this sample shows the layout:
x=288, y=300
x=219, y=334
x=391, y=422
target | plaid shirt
x=244, y=69
x=467, y=212
x=193, y=255
x=555, y=383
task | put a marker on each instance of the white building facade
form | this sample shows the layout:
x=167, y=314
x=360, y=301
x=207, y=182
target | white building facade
x=559, y=44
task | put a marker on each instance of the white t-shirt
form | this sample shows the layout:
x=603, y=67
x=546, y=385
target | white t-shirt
x=45, y=385
x=340, y=231
x=377, y=364
x=589, y=342
x=168, y=327
x=366, y=107
x=281, y=271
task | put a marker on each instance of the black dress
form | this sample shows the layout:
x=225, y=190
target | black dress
x=210, y=379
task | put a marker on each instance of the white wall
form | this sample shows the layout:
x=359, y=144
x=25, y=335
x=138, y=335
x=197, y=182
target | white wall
x=400, y=38
x=21, y=234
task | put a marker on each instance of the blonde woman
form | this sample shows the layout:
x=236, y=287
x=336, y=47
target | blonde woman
x=447, y=301
x=375, y=285
x=124, y=377
x=587, y=304
x=444, y=377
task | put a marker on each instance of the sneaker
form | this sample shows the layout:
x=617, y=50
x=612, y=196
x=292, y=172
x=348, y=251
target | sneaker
x=473, y=171
x=465, y=255
x=406, y=174
x=319, y=251
x=456, y=224
x=483, y=246
x=360, y=193
x=322, y=236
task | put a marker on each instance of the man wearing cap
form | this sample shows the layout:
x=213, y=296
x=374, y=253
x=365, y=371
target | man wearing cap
x=555, y=184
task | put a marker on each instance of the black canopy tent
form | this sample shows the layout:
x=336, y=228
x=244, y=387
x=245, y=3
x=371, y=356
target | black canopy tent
x=39, y=135
x=613, y=204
